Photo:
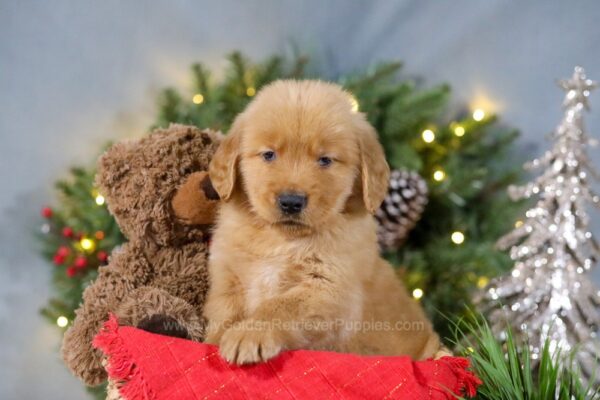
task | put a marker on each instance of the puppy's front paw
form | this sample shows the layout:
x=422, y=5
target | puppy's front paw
x=248, y=342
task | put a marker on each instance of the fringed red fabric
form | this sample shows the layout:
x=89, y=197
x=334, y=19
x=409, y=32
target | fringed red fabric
x=155, y=367
x=121, y=366
x=467, y=381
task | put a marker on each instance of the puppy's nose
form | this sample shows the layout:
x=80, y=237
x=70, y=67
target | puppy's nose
x=291, y=203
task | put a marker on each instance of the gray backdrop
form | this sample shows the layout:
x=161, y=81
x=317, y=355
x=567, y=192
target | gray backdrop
x=76, y=73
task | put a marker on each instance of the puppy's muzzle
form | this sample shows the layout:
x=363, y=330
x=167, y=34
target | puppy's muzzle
x=291, y=203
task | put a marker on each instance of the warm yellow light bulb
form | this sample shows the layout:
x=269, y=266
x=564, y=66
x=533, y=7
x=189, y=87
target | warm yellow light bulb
x=457, y=237
x=87, y=244
x=482, y=282
x=459, y=130
x=518, y=224
x=428, y=136
x=62, y=321
x=478, y=114
x=198, y=98
x=417, y=293
x=100, y=200
x=439, y=175
x=353, y=104
x=250, y=91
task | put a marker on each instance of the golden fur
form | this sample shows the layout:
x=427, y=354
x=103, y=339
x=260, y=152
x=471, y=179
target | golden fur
x=315, y=280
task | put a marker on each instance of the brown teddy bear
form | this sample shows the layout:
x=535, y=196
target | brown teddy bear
x=158, y=191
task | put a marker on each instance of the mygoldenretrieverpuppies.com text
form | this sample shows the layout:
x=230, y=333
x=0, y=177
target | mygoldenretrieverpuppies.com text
x=338, y=324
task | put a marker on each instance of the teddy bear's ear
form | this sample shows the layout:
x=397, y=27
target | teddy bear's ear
x=117, y=177
x=195, y=201
x=113, y=166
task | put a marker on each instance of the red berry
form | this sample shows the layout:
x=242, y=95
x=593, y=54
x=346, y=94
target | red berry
x=58, y=259
x=62, y=251
x=71, y=271
x=47, y=212
x=80, y=262
x=102, y=256
x=67, y=232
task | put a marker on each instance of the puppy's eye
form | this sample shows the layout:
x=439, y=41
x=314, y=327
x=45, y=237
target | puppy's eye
x=324, y=161
x=268, y=156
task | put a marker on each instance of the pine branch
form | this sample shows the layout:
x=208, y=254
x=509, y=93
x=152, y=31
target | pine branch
x=506, y=371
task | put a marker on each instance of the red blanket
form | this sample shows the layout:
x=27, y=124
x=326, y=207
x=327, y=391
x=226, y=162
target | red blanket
x=151, y=366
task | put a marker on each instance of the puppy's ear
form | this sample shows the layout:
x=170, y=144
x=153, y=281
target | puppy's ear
x=374, y=169
x=223, y=166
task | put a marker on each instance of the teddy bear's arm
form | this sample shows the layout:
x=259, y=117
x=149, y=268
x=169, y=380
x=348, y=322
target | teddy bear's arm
x=155, y=310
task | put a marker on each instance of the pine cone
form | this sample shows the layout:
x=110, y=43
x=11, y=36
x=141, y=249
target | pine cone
x=401, y=209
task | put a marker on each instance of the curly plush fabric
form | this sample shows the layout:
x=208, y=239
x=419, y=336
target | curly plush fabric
x=154, y=367
x=160, y=275
x=140, y=177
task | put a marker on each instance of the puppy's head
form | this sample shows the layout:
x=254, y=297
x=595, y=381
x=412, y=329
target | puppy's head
x=300, y=155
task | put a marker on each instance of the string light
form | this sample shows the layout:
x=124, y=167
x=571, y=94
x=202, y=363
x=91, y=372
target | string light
x=417, y=293
x=518, y=224
x=250, y=91
x=99, y=235
x=100, y=200
x=482, y=282
x=353, y=104
x=457, y=237
x=428, y=136
x=459, y=130
x=439, y=175
x=478, y=114
x=87, y=244
x=62, y=321
x=198, y=98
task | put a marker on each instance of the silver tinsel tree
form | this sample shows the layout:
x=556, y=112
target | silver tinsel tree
x=548, y=295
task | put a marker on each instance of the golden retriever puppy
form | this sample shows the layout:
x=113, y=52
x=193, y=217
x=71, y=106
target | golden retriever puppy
x=294, y=262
